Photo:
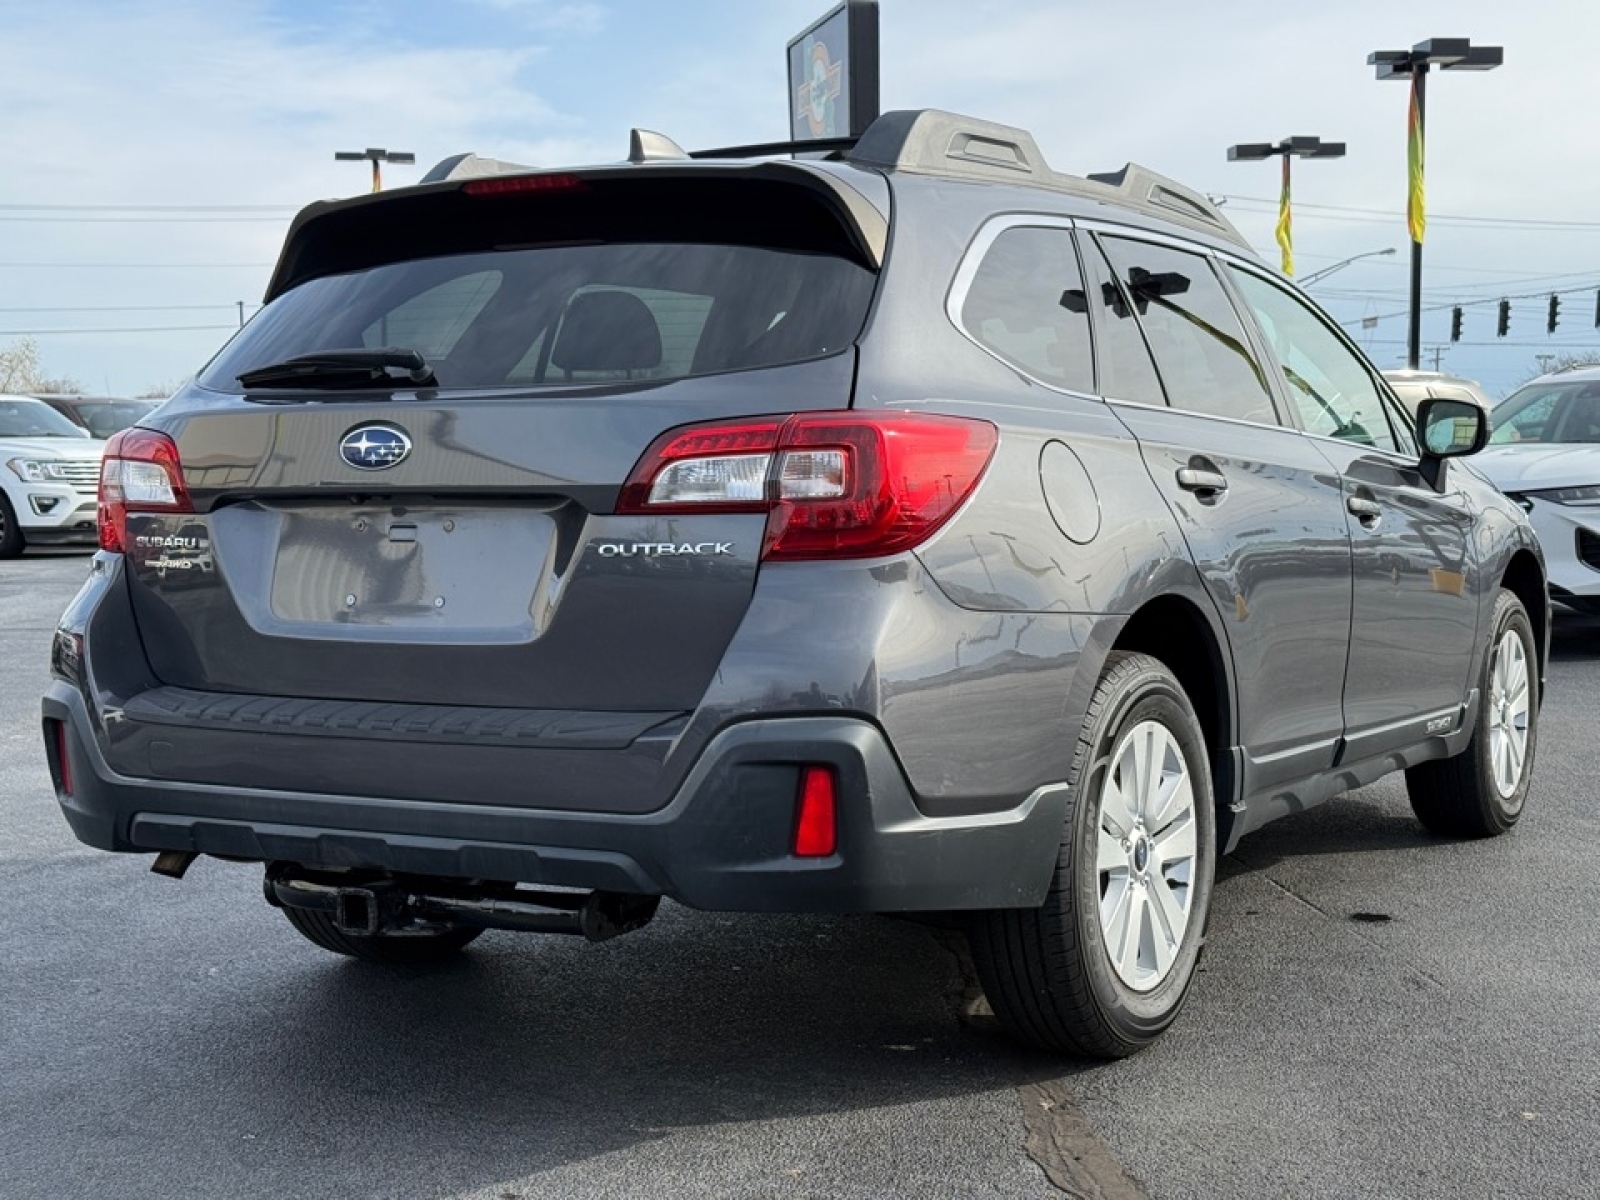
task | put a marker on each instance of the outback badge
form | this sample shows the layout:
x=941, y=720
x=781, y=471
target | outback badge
x=374, y=447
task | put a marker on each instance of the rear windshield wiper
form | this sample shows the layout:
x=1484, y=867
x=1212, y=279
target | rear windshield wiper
x=361, y=368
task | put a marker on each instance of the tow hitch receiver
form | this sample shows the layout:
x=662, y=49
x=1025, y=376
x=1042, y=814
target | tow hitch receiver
x=365, y=906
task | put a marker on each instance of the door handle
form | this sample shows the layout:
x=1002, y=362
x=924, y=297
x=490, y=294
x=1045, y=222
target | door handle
x=1368, y=512
x=1191, y=479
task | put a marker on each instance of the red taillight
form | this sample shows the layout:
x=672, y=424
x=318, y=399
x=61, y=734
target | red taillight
x=816, y=832
x=505, y=185
x=63, y=762
x=833, y=485
x=139, y=473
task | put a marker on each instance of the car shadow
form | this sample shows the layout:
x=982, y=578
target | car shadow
x=1574, y=637
x=528, y=1053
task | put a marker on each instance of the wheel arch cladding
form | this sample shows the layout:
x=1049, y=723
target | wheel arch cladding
x=1174, y=630
x=1524, y=577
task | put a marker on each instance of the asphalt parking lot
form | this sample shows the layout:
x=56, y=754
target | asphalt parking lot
x=1380, y=1014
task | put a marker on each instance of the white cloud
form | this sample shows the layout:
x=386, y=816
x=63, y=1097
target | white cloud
x=579, y=18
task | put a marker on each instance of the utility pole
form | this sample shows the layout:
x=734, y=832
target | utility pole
x=375, y=156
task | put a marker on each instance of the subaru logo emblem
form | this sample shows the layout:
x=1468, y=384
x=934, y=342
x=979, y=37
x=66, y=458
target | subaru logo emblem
x=374, y=447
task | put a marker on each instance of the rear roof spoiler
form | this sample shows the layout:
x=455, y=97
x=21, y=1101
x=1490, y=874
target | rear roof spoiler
x=355, y=223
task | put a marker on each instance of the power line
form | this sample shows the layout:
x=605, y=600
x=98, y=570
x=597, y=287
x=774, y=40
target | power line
x=1448, y=218
x=131, y=329
x=98, y=308
x=173, y=220
x=144, y=266
x=150, y=208
x=1473, y=303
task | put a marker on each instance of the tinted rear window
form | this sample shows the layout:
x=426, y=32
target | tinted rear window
x=610, y=283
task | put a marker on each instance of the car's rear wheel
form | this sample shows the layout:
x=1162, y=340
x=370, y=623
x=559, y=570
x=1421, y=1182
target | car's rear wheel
x=1102, y=967
x=1481, y=791
x=11, y=540
x=409, y=949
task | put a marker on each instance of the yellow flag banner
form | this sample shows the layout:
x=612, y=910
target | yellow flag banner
x=1416, y=215
x=1285, y=233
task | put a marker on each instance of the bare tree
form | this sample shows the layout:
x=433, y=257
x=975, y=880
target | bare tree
x=1549, y=364
x=160, y=391
x=21, y=371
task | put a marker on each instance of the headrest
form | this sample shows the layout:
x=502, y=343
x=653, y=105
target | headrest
x=607, y=331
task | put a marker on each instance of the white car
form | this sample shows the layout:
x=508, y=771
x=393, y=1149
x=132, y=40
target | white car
x=1413, y=387
x=1544, y=452
x=49, y=474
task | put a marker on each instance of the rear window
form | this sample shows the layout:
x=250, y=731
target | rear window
x=599, y=293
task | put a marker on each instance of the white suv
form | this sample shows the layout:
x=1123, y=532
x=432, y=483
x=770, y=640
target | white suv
x=49, y=472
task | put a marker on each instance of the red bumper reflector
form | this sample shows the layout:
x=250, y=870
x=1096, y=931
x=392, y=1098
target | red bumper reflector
x=62, y=759
x=816, y=832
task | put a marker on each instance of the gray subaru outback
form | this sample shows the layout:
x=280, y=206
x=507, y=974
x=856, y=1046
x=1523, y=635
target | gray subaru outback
x=912, y=530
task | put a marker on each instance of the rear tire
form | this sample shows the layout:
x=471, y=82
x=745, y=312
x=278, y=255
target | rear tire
x=1481, y=791
x=396, y=949
x=1102, y=967
x=11, y=539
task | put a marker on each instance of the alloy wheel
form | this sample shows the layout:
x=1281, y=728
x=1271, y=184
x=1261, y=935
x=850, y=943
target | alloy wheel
x=1509, y=707
x=1146, y=855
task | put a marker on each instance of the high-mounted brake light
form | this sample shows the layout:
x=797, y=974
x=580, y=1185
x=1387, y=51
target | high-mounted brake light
x=139, y=473
x=833, y=485
x=505, y=185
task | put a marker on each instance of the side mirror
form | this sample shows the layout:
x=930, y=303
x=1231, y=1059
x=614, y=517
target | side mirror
x=1448, y=429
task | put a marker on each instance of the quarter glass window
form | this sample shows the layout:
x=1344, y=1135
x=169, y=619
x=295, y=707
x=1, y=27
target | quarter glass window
x=1025, y=304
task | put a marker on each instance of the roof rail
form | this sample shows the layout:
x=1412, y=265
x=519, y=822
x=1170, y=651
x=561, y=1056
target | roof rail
x=1144, y=186
x=942, y=143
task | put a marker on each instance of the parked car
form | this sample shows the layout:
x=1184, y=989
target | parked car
x=919, y=530
x=49, y=469
x=1545, y=453
x=1413, y=387
x=100, y=415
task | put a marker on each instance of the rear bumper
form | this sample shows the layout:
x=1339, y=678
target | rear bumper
x=722, y=842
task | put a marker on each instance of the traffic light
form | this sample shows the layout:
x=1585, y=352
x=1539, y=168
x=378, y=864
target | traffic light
x=1554, y=318
x=1455, y=324
x=1504, y=326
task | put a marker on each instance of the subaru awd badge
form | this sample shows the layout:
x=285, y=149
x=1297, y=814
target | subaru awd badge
x=374, y=447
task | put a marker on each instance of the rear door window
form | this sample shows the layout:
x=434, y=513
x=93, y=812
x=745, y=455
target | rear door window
x=1196, y=336
x=1127, y=372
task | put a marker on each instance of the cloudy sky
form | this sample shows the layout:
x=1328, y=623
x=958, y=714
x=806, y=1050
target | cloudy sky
x=153, y=151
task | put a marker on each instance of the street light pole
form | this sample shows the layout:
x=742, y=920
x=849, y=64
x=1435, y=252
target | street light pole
x=375, y=156
x=1324, y=272
x=1293, y=147
x=1451, y=54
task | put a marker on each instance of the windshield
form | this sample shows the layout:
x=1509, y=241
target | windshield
x=555, y=316
x=33, y=418
x=1555, y=412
